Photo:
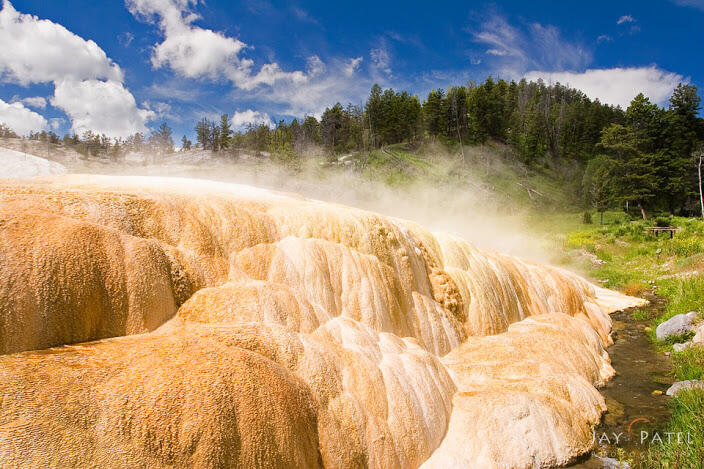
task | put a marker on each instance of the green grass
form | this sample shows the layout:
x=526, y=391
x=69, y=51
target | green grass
x=684, y=294
x=640, y=315
x=688, y=364
x=687, y=420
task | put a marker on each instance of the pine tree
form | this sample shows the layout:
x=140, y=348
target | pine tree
x=374, y=113
x=311, y=130
x=203, y=133
x=598, y=186
x=681, y=136
x=162, y=139
x=330, y=126
x=634, y=177
x=225, y=132
x=434, y=113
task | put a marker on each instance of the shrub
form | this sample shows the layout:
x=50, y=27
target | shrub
x=663, y=222
x=684, y=247
x=635, y=288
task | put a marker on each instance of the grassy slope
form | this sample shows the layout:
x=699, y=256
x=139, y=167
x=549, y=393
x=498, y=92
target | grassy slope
x=489, y=168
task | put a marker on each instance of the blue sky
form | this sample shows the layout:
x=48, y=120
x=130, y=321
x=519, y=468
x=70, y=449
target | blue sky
x=125, y=66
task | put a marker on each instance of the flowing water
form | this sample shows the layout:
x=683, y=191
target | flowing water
x=630, y=397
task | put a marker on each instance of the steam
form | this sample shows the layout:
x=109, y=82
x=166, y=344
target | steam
x=443, y=202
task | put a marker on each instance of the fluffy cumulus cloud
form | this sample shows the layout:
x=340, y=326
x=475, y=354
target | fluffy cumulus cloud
x=617, y=86
x=20, y=119
x=41, y=51
x=240, y=119
x=196, y=52
x=35, y=102
x=101, y=106
x=339, y=83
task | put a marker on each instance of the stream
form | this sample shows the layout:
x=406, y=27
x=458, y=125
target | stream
x=630, y=398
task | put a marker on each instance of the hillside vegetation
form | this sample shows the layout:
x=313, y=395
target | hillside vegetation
x=548, y=142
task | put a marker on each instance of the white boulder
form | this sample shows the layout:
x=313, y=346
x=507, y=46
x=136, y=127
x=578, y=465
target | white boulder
x=681, y=385
x=676, y=325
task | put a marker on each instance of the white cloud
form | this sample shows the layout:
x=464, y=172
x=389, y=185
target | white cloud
x=617, y=86
x=303, y=15
x=125, y=39
x=20, y=119
x=512, y=51
x=626, y=19
x=101, y=106
x=40, y=51
x=552, y=50
x=604, y=38
x=315, y=66
x=88, y=85
x=241, y=119
x=502, y=38
x=690, y=3
x=381, y=59
x=352, y=65
x=311, y=98
x=56, y=123
x=35, y=102
x=160, y=108
x=195, y=52
x=497, y=52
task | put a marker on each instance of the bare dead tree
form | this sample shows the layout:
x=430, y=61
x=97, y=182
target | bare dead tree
x=701, y=195
x=454, y=106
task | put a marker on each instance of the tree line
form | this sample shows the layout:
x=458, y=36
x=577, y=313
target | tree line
x=641, y=158
x=540, y=122
x=649, y=159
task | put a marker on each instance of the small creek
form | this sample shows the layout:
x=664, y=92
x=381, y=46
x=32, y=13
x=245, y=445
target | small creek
x=640, y=370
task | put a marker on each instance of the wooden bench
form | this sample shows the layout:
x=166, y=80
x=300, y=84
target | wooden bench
x=656, y=230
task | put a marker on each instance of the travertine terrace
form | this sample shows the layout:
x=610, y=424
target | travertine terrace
x=178, y=323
